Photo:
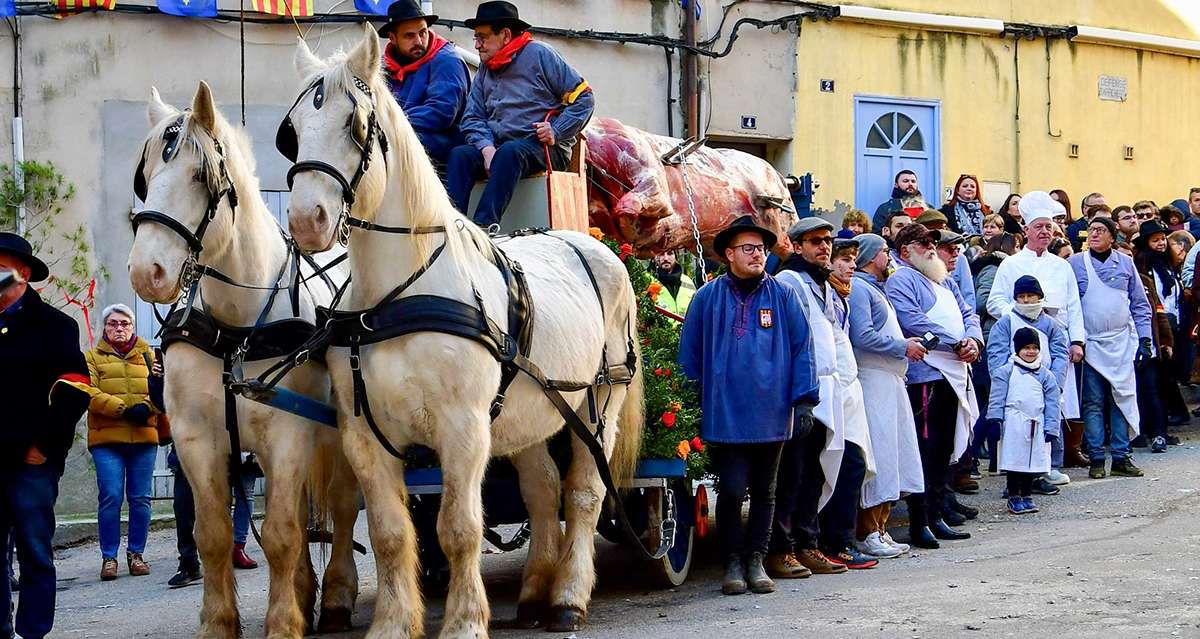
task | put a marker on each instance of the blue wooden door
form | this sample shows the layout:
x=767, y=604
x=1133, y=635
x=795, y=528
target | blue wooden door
x=891, y=134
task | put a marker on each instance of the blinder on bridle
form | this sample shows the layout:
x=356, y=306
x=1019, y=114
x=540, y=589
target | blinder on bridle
x=364, y=128
x=172, y=136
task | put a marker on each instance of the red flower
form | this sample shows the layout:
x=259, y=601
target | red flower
x=697, y=445
x=668, y=419
x=626, y=251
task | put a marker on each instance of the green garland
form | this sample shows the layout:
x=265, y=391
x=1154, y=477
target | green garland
x=672, y=406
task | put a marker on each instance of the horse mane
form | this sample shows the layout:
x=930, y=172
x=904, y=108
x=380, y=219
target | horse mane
x=424, y=196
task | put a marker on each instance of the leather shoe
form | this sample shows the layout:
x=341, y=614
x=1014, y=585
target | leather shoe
x=944, y=532
x=922, y=538
x=961, y=508
x=952, y=517
x=734, y=582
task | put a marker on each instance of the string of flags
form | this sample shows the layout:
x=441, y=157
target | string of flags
x=200, y=8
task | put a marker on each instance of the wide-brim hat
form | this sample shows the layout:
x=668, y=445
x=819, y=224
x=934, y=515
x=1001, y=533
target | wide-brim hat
x=497, y=12
x=744, y=224
x=16, y=245
x=403, y=11
x=1148, y=229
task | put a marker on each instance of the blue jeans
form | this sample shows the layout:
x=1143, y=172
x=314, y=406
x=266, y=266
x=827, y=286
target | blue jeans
x=514, y=160
x=242, y=510
x=27, y=496
x=124, y=470
x=1097, y=398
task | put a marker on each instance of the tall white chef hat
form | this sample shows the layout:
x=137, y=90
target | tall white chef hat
x=1037, y=205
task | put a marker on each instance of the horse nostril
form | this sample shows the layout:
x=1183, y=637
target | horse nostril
x=158, y=275
x=322, y=216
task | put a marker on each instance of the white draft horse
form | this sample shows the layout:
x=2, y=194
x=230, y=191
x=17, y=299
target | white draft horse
x=204, y=157
x=435, y=389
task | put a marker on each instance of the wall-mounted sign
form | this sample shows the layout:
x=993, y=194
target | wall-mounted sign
x=826, y=86
x=1114, y=88
x=749, y=122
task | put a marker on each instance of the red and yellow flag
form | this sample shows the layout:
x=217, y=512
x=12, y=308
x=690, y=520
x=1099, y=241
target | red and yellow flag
x=70, y=7
x=294, y=8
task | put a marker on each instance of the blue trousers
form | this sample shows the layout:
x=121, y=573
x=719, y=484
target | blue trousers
x=1098, y=399
x=27, y=496
x=124, y=471
x=242, y=509
x=514, y=160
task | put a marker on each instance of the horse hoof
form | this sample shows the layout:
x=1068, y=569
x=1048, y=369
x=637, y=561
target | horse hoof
x=530, y=615
x=566, y=619
x=334, y=620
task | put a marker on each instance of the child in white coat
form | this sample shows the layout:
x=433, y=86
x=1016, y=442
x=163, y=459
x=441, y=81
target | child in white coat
x=1024, y=397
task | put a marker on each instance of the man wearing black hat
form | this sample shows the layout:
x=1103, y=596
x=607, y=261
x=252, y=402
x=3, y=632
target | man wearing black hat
x=427, y=76
x=745, y=342
x=526, y=105
x=39, y=346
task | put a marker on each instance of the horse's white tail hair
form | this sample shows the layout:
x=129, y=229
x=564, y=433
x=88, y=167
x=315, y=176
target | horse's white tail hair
x=632, y=417
x=319, y=485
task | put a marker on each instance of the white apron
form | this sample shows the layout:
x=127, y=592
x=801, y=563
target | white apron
x=1069, y=398
x=1023, y=445
x=945, y=313
x=854, y=412
x=1111, y=342
x=890, y=419
x=829, y=409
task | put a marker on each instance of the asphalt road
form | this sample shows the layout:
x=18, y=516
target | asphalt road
x=1107, y=558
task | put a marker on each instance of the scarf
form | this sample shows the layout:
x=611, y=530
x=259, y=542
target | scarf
x=840, y=287
x=1030, y=312
x=1029, y=366
x=794, y=262
x=122, y=348
x=397, y=70
x=1158, y=263
x=670, y=279
x=969, y=216
x=505, y=55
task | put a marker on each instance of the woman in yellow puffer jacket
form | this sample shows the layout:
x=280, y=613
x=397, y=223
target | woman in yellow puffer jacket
x=122, y=438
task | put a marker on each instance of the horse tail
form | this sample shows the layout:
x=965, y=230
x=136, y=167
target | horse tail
x=319, y=485
x=631, y=419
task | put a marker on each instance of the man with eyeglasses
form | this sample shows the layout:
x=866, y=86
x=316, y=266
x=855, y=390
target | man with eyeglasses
x=746, y=344
x=1078, y=230
x=939, y=388
x=1127, y=223
x=45, y=394
x=527, y=105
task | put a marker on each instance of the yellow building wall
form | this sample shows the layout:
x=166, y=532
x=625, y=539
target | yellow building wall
x=976, y=80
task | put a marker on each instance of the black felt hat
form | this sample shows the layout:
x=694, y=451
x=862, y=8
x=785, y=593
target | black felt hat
x=744, y=224
x=14, y=244
x=497, y=13
x=404, y=10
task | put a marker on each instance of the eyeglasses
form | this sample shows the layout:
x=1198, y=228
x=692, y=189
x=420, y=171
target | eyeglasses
x=953, y=249
x=1145, y=216
x=112, y=324
x=928, y=243
x=817, y=241
x=751, y=249
x=1126, y=218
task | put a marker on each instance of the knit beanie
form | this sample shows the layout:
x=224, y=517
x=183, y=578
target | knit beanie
x=1108, y=224
x=1027, y=284
x=1025, y=337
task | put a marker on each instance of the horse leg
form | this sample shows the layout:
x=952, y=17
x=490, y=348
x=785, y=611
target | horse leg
x=340, y=584
x=399, y=611
x=465, y=446
x=283, y=532
x=572, y=588
x=542, y=492
x=206, y=464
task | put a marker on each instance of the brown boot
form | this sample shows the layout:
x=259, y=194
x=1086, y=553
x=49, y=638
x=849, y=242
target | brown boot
x=786, y=566
x=137, y=566
x=241, y=560
x=1073, y=456
x=108, y=569
x=818, y=563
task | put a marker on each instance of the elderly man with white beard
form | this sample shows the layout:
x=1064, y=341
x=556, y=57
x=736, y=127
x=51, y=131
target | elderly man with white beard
x=939, y=387
x=1062, y=302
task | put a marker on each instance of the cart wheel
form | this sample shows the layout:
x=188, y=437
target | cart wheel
x=672, y=570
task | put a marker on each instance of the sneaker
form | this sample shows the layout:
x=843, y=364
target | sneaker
x=108, y=569
x=786, y=566
x=1139, y=442
x=1042, y=486
x=187, y=575
x=1030, y=507
x=852, y=559
x=1172, y=440
x=887, y=539
x=1057, y=477
x=874, y=546
x=137, y=566
x=818, y=563
x=1158, y=444
x=1016, y=506
x=1097, y=470
x=1126, y=468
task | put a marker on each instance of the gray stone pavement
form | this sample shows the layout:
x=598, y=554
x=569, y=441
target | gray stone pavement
x=1106, y=558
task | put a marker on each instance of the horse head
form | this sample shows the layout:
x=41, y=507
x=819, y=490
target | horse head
x=187, y=194
x=333, y=136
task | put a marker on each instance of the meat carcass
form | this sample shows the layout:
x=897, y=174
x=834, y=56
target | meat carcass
x=633, y=196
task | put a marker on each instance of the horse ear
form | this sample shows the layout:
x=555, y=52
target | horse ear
x=364, y=59
x=156, y=109
x=306, y=62
x=204, y=110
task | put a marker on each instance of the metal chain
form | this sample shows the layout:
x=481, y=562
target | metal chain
x=687, y=187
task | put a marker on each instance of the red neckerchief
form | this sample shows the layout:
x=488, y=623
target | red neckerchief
x=505, y=55
x=397, y=71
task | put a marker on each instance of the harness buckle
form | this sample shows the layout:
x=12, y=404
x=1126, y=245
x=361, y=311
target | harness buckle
x=301, y=357
x=362, y=320
x=354, y=362
x=497, y=404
